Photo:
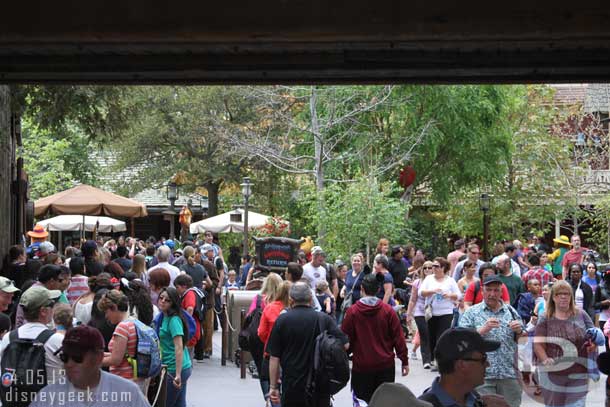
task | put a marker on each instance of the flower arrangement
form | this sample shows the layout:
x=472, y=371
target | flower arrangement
x=275, y=226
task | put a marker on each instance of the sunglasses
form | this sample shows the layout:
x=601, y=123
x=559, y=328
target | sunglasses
x=436, y=266
x=65, y=357
x=476, y=253
x=427, y=268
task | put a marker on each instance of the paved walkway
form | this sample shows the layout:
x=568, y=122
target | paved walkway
x=214, y=385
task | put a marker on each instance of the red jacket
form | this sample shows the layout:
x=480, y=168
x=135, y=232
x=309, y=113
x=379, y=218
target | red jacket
x=374, y=333
x=270, y=314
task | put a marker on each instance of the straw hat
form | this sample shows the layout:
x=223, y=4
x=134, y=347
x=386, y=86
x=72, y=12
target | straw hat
x=564, y=240
x=38, y=232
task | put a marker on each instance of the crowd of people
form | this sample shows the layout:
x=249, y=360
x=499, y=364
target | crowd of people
x=491, y=329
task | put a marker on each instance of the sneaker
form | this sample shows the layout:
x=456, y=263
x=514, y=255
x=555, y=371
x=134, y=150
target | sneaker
x=413, y=356
x=427, y=366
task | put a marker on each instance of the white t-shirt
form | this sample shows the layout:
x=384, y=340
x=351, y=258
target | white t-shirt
x=579, y=298
x=314, y=274
x=112, y=391
x=172, y=270
x=30, y=330
x=440, y=306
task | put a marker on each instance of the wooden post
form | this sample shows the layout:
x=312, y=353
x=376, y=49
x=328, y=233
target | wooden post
x=225, y=332
x=133, y=227
x=242, y=358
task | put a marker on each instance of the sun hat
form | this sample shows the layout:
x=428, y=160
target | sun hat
x=563, y=239
x=395, y=395
x=38, y=232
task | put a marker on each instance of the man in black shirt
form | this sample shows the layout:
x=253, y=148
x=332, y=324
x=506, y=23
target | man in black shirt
x=122, y=259
x=398, y=268
x=291, y=346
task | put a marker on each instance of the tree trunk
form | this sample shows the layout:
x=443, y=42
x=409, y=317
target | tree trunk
x=212, y=188
x=319, y=157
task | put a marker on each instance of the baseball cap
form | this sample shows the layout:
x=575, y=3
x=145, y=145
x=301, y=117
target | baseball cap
x=317, y=250
x=456, y=343
x=206, y=248
x=8, y=286
x=492, y=280
x=37, y=297
x=82, y=339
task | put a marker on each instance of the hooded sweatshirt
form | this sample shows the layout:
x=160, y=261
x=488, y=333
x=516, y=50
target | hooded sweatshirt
x=374, y=333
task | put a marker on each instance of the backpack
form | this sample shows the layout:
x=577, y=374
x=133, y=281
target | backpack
x=23, y=368
x=477, y=288
x=147, y=360
x=248, y=339
x=191, y=325
x=199, y=311
x=330, y=371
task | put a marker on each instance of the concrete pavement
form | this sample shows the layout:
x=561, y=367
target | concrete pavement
x=214, y=385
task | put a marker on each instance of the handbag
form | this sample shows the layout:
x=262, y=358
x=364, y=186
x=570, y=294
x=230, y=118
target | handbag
x=428, y=309
x=348, y=300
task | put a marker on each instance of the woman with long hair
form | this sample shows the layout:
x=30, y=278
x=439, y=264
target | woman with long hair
x=123, y=345
x=275, y=305
x=583, y=294
x=140, y=303
x=381, y=266
x=383, y=246
x=562, y=349
x=271, y=287
x=441, y=292
x=138, y=268
x=353, y=279
x=173, y=335
x=415, y=311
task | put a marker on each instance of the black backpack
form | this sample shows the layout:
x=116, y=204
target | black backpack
x=199, y=311
x=330, y=371
x=432, y=399
x=23, y=369
x=248, y=336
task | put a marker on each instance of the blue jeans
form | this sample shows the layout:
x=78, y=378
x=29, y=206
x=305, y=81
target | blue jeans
x=177, y=397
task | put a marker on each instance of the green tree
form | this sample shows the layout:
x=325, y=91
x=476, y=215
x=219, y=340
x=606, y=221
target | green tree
x=183, y=130
x=357, y=215
x=52, y=164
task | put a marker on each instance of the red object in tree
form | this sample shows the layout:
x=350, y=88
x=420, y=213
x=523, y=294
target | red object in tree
x=407, y=176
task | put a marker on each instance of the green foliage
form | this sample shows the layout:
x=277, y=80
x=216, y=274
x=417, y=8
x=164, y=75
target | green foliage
x=54, y=165
x=356, y=214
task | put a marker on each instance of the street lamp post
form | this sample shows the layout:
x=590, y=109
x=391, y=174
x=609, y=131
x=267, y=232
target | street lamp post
x=172, y=196
x=484, y=203
x=246, y=190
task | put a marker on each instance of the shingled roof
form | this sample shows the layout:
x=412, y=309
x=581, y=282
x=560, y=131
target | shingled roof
x=569, y=94
x=597, y=98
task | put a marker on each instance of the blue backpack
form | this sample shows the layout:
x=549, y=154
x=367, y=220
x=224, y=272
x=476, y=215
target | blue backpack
x=190, y=322
x=147, y=360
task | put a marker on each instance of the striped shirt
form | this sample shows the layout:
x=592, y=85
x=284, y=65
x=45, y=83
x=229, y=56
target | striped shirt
x=127, y=330
x=78, y=286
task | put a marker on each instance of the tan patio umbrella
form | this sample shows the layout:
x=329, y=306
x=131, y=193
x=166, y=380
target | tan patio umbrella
x=88, y=200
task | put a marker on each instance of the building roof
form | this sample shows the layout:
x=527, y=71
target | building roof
x=597, y=98
x=153, y=198
x=157, y=198
x=569, y=94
